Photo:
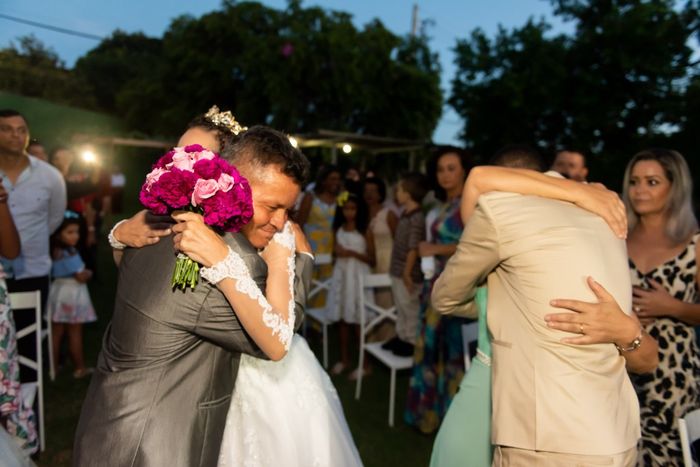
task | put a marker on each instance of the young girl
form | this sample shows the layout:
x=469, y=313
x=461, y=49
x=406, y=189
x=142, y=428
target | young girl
x=352, y=261
x=69, y=304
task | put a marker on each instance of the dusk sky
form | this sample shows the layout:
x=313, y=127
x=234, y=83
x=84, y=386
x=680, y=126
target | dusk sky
x=451, y=19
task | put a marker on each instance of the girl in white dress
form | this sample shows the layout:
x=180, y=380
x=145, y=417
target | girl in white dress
x=351, y=261
x=285, y=412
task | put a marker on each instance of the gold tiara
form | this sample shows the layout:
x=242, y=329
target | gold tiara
x=224, y=119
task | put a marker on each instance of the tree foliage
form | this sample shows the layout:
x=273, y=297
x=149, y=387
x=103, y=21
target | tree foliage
x=620, y=82
x=31, y=69
x=297, y=69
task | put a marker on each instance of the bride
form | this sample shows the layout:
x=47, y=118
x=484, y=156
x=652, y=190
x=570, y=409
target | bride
x=284, y=412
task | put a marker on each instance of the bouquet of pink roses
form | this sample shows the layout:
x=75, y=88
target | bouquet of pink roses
x=195, y=179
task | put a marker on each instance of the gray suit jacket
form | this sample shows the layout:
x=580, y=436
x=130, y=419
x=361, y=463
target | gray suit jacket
x=164, y=378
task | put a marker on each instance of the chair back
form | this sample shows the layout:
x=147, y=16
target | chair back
x=369, y=308
x=31, y=301
x=689, y=430
x=319, y=285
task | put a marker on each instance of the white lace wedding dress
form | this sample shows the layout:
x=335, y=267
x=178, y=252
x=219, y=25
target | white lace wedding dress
x=285, y=413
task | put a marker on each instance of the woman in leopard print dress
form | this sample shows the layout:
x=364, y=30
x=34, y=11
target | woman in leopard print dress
x=663, y=250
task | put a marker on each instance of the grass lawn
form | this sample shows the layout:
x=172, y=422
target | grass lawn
x=378, y=444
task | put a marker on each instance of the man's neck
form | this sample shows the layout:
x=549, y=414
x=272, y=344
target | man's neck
x=13, y=164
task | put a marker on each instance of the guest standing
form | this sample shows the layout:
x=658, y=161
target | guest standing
x=438, y=359
x=351, y=262
x=663, y=254
x=380, y=235
x=15, y=417
x=315, y=216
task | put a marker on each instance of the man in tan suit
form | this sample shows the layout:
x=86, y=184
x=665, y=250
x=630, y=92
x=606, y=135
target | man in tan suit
x=553, y=403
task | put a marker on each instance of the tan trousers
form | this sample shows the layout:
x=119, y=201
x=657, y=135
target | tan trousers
x=513, y=457
x=407, y=309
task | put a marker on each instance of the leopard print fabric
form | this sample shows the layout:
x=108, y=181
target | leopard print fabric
x=673, y=389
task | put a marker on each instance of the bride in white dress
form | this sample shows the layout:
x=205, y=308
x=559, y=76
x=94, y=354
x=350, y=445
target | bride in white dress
x=287, y=412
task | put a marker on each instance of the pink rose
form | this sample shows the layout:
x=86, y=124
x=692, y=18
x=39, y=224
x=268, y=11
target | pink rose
x=203, y=154
x=182, y=161
x=225, y=182
x=153, y=177
x=204, y=189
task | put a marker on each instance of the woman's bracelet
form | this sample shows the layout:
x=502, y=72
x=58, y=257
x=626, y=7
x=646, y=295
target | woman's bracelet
x=634, y=345
x=113, y=242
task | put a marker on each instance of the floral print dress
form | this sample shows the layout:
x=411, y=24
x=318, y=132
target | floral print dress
x=438, y=359
x=15, y=417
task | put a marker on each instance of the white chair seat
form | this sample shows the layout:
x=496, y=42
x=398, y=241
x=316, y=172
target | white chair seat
x=387, y=357
x=371, y=314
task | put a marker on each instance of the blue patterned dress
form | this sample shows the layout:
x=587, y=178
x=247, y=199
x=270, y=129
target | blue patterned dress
x=438, y=362
x=16, y=418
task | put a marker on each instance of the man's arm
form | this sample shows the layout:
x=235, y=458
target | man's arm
x=476, y=256
x=57, y=201
x=591, y=197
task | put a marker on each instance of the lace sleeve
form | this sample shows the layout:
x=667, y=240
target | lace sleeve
x=234, y=267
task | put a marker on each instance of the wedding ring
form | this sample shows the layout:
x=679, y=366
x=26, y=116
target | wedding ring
x=636, y=309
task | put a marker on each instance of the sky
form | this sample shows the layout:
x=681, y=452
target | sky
x=449, y=20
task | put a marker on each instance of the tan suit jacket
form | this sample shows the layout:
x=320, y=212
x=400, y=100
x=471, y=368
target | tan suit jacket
x=547, y=396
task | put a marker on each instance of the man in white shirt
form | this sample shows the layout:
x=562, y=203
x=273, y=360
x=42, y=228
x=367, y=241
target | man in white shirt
x=37, y=200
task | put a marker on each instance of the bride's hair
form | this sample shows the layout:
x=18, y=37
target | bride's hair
x=224, y=136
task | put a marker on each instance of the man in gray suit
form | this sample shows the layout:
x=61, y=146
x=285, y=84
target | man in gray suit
x=164, y=378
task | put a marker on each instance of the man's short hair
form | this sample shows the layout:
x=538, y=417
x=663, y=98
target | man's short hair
x=261, y=146
x=415, y=184
x=7, y=113
x=518, y=156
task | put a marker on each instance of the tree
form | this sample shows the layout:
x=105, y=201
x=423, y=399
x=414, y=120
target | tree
x=32, y=69
x=616, y=85
x=297, y=69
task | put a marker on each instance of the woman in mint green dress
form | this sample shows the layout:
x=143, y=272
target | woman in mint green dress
x=464, y=439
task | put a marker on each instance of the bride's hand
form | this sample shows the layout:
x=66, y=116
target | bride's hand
x=594, y=323
x=197, y=240
x=594, y=197
x=137, y=232
x=282, y=245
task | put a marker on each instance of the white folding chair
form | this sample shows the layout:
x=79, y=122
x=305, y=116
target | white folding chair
x=367, y=323
x=689, y=430
x=22, y=301
x=470, y=334
x=319, y=314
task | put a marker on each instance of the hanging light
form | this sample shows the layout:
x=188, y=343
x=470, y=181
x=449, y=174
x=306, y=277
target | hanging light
x=293, y=141
x=89, y=156
x=347, y=149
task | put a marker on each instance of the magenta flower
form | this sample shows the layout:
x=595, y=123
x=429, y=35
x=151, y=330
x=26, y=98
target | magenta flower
x=196, y=179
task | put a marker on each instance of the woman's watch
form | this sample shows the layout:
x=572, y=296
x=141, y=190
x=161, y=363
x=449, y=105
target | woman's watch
x=634, y=345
